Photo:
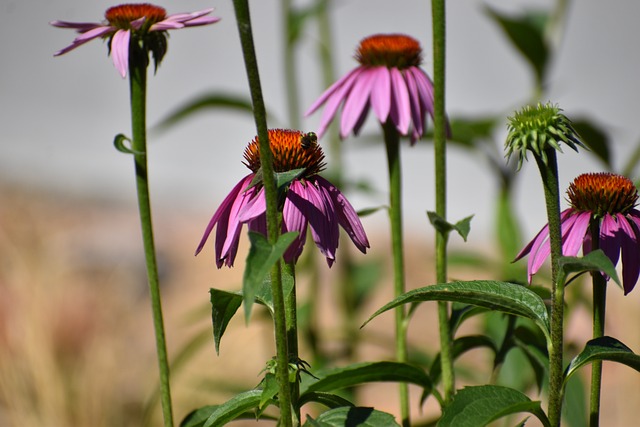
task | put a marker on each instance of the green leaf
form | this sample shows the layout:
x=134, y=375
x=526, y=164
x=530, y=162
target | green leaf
x=205, y=102
x=500, y=296
x=441, y=225
x=594, y=138
x=198, y=417
x=223, y=307
x=360, y=373
x=462, y=312
x=481, y=405
x=460, y=346
x=233, y=408
x=470, y=132
x=534, y=349
x=262, y=256
x=603, y=348
x=352, y=417
x=269, y=391
x=507, y=226
x=527, y=35
x=120, y=141
x=593, y=261
x=329, y=400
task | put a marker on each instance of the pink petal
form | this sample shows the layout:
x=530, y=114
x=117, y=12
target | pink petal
x=610, y=237
x=81, y=27
x=414, y=97
x=573, y=233
x=85, y=37
x=184, y=17
x=400, y=109
x=356, y=102
x=120, y=51
x=630, y=251
x=381, y=93
x=425, y=88
x=347, y=79
x=235, y=218
x=293, y=219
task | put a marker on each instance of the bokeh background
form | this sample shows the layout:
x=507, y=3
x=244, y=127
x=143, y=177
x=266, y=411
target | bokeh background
x=75, y=342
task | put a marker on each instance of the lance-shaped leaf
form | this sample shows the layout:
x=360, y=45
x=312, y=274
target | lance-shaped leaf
x=234, y=408
x=367, y=372
x=352, y=417
x=262, y=256
x=223, y=307
x=481, y=405
x=593, y=261
x=329, y=400
x=603, y=348
x=501, y=296
x=441, y=225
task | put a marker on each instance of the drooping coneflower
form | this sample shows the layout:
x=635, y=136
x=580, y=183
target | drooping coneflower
x=389, y=80
x=610, y=199
x=143, y=23
x=308, y=200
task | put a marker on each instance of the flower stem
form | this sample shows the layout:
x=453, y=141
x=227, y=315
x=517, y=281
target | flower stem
x=291, y=314
x=549, y=175
x=138, y=89
x=440, y=141
x=599, y=306
x=392, y=142
x=243, y=19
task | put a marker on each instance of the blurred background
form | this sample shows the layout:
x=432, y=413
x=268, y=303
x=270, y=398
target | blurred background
x=75, y=332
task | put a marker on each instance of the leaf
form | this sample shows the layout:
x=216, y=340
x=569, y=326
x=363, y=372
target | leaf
x=262, y=256
x=223, y=307
x=594, y=137
x=329, y=400
x=593, y=261
x=233, y=408
x=603, y=348
x=480, y=405
x=441, y=225
x=527, y=35
x=198, y=417
x=470, y=131
x=360, y=373
x=507, y=226
x=204, y=102
x=120, y=143
x=501, y=296
x=534, y=349
x=352, y=417
x=269, y=391
x=462, y=312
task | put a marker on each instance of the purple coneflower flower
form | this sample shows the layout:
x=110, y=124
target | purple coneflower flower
x=143, y=22
x=389, y=80
x=309, y=200
x=609, y=199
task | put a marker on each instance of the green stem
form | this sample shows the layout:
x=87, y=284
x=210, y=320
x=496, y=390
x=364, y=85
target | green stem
x=392, y=142
x=440, y=141
x=138, y=88
x=291, y=314
x=243, y=19
x=599, y=306
x=549, y=175
x=290, y=73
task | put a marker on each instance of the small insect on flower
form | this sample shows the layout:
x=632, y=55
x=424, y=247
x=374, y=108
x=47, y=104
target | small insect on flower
x=308, y=140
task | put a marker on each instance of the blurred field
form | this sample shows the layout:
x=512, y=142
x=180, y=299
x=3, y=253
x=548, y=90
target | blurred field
x=76, y=341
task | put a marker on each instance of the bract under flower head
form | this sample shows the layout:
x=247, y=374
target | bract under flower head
x=389, y=81
x=140, y=26
x=609, y=199
x=537, y=129
x=310, y=201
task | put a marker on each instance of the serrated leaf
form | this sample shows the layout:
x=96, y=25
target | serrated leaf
x=527, y=35
x=223, y=307
x=233, y=408
x=603, y=348
x=360, y=373
x=594, y=137
x=352, y=417
x=441, y=225
x=500, y=296
x=480, y=405
x=205, y=102
x=262, y=256
x=329, y=400
x=593, y=261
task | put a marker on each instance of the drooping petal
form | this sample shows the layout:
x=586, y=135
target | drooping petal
x=120, y=51
x=610, y=239
x=425, y=88
x=574, y=229
x=400, y=109
x=346, y=80
x=188, y=17
x=81, y=27
x=356, y=101
x=253, y=208
x=347, y=215
x=230, y=246
x=381, y=93
x=630, y=241
x=85, y=37
x=293, y=219
x=414, y=102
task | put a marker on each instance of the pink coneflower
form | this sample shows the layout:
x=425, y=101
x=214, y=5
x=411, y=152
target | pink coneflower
x=144, y=23
x=389, y=80
x=309, y=200
x=605, y=197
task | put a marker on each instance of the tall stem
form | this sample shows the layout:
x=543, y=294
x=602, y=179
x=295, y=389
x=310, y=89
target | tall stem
x=599, y=306
x=243, y=19
x=392, y=142
x=440, y=141
x=291, y=310
x=138, y=90
x=549, y=175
